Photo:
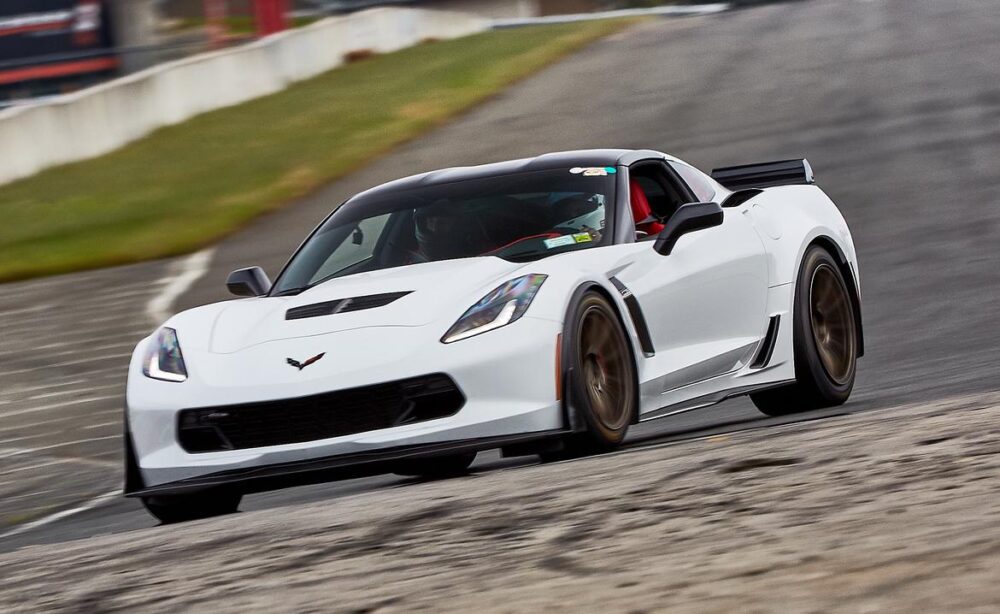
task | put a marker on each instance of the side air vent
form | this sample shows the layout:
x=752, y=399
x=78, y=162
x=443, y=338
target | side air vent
x=767, y=345
x=343, y=305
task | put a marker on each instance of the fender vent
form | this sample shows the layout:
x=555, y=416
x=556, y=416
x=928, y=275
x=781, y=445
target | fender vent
x=767, y=345
x=343, y=305
x=638, y=320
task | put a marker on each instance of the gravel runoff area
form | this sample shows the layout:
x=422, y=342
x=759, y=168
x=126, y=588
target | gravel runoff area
x=891, y=510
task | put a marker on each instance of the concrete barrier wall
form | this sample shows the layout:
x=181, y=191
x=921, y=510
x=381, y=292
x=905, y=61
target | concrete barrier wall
x=101, y=119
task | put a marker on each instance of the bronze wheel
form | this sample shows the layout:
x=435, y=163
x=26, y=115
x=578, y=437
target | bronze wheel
x=601, y=391
x=825, y=339
x=832, y=323
x=603, y=357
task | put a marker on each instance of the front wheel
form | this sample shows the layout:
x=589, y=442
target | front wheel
x=181, y=508
x=603, y=385
x=825, y=340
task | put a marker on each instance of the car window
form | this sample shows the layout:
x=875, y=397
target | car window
x=652, y=188
x=696, y=180
x=358, y=247
x=663, y=193
x=518, y=217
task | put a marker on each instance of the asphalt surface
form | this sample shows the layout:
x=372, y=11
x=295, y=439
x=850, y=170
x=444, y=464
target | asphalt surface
x=893, y=510
x=896, y=103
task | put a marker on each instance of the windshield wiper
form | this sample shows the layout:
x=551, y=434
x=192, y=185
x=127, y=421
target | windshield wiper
x=526, y=256
x=292, y=291
x=301, y=289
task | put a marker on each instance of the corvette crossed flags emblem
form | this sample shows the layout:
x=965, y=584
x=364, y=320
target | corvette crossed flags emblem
x=303, y=365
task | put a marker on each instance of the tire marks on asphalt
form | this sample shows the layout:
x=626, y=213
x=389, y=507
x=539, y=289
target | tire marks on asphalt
x=65, y=344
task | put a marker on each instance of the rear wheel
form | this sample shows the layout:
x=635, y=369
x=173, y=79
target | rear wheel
x=603, y=384
x=438, y=467
x=181, y=508
x=825, y=341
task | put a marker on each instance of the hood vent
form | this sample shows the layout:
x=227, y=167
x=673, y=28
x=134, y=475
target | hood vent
x=343, y=305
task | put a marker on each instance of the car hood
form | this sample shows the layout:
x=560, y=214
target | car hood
x=436, y=290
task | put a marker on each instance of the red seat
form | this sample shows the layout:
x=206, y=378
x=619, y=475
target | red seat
x=641, y=210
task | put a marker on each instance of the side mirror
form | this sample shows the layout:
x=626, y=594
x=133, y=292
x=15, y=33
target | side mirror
x=689, y=218
x=248, y=282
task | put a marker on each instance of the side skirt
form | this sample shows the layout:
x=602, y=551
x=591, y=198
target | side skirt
x=711, y=399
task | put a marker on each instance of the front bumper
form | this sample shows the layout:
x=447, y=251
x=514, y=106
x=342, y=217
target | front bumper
x=507, y=377
x=347, y=466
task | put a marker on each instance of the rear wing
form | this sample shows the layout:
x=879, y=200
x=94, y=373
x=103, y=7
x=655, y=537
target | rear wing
x=765, y=174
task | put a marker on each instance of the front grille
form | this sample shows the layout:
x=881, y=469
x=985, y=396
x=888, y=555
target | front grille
x=343, y=305
x=331, y=414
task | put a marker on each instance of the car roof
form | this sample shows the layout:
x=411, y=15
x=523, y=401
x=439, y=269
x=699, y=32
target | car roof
x=555, y=160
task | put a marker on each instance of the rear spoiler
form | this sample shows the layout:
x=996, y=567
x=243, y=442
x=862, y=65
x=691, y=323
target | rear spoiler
x=765, y=174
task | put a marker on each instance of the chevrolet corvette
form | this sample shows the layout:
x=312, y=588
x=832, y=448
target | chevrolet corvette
x=536, y=306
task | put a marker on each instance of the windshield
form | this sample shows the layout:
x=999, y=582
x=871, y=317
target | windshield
x=518, y=217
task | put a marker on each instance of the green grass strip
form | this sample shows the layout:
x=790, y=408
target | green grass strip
x=186, y=186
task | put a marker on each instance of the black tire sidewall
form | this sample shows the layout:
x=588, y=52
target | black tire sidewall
x=809, y=369
x=439, y=466
x=181, y=508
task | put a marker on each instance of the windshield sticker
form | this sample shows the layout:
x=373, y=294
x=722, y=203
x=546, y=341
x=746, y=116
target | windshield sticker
x=583, y=237
x=559, y=241
x=594, y=171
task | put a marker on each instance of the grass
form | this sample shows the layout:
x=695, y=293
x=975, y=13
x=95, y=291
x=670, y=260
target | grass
x=187, y=185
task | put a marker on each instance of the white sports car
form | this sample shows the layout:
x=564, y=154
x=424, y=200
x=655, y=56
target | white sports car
x=540, y=306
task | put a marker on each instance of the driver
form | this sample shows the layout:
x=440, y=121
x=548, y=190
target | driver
x=436, y=230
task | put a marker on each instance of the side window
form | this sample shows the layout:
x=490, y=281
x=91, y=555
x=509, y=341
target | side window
x=696, y=180
x=662, y=193
x=654, y=192
x=357, y=247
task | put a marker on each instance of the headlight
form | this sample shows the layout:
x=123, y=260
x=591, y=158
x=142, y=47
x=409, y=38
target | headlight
x=498, y=308
x=164, y=360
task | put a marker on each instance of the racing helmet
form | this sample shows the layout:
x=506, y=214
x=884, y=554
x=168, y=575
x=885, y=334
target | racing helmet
x=436, y=228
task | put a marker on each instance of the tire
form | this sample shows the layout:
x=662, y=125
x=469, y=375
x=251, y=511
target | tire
x=181, y=508
x=825, y=341
x=437, y=467
x=603, y=386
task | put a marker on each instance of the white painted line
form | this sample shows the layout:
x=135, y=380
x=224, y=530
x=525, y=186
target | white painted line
x=56, y=460
x=49, y=395
x=12, y=452
x=158, y=309
x=11, y=312
x=88, y=505
x=22, y=389
x=80, y=335
x=70, y=363
x=51, y=406
x=19, y=428
x=29, y=495
x=78, y=348
x=48, y=423
x=666, y=11
x=7, y=472
x=13, y=439
x=99, y=425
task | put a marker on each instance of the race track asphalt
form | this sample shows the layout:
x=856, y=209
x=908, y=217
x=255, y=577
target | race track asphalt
x=896, y=103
